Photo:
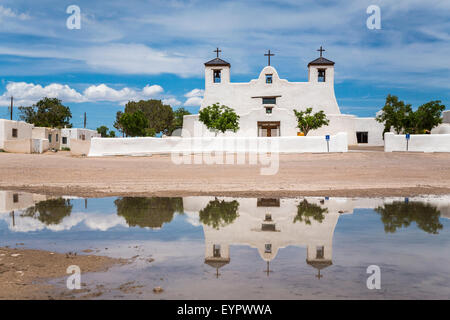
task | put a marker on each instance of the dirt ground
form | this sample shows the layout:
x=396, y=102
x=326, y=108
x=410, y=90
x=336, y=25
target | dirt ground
x=24, y=273
x=366, y=173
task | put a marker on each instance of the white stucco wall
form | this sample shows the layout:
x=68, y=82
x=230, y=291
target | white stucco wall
x=446, y=116
x=246, y=100
x=44, y=133
x=293, y=95
x=148, y=145
x=417, y=142
x=373, y=127
x=19, y=143
x=443, y=128
x=80, y=147
x=77, y=134
x=350, y=124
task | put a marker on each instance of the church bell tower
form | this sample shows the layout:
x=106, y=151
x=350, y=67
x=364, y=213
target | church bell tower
x=217, y=71
x=321, y=70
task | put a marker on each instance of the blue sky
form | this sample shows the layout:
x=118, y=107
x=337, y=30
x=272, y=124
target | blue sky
x=156, y=49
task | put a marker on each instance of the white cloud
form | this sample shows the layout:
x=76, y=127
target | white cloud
x=138, y=59
x=29, y=93
x=195, y=98
x=156, y=37
x=195, y=93
x=173, y=102
x=93, y=221
x=104, y=93
x=193, y=102
x=8, y=13
x=152, y=90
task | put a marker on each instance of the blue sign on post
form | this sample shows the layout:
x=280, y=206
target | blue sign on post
x=408, y=136
x=327, y=137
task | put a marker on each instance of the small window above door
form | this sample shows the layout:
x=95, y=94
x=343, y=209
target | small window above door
x=269, y=100
x=269, y=78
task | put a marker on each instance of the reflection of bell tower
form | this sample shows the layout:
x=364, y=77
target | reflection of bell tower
x=319, y=257
x=13, y=218
x=217, y=256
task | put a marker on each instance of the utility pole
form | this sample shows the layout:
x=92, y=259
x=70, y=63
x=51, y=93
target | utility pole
x=85, y=120
x=12, y=103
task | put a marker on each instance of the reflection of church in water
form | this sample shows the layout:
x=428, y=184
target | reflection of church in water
x=267, y=225
x=272, y=224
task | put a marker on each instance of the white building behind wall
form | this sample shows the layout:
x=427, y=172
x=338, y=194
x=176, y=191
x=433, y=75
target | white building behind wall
x=265, y=105
x=15, y=136
x=68, y=134
x=22, y=137
x=444, y=127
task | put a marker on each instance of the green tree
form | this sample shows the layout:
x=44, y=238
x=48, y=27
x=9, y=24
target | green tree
x=105, y=132
x=178, y=118
x=219, y=213
x=401, y=214
x=148, y=212
x=135, y=124
x=306, y=211
x=117, y=123
x=429, y=116
x=400, y=116
x=307, y=121
x=160, y=116
x=51, y=211
x=219, y=118
x=396, y=114
x=48, y=112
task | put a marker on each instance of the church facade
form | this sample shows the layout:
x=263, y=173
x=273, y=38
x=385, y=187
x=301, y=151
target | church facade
x=266, y=104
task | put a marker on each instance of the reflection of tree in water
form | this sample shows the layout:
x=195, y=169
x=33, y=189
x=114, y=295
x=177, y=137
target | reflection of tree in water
x=51, y=211
x=400, y=214
x=148, y=212
x=219, y=213
x=307, y=211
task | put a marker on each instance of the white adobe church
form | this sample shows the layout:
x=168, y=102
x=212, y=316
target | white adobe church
x=265, y=105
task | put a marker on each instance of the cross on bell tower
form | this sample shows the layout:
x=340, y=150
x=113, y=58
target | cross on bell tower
x=217, y=52
x=268, y=54
x=318, y=275
x=321, y=50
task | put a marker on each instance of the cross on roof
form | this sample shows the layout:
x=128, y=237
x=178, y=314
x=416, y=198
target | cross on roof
x=321, y=50
x=318, y=276
x=269, y=55
x=217, y=51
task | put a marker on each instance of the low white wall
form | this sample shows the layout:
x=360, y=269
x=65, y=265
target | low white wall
x=79, y=147
x=147, y=145
x=39, y=145
x=417, y=142
x=17, y=146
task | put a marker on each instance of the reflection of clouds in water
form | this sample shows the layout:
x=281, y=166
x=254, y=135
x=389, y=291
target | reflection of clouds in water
x=193, y=218
x=94, y=221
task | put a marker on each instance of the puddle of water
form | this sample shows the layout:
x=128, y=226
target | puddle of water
x=243, y=248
